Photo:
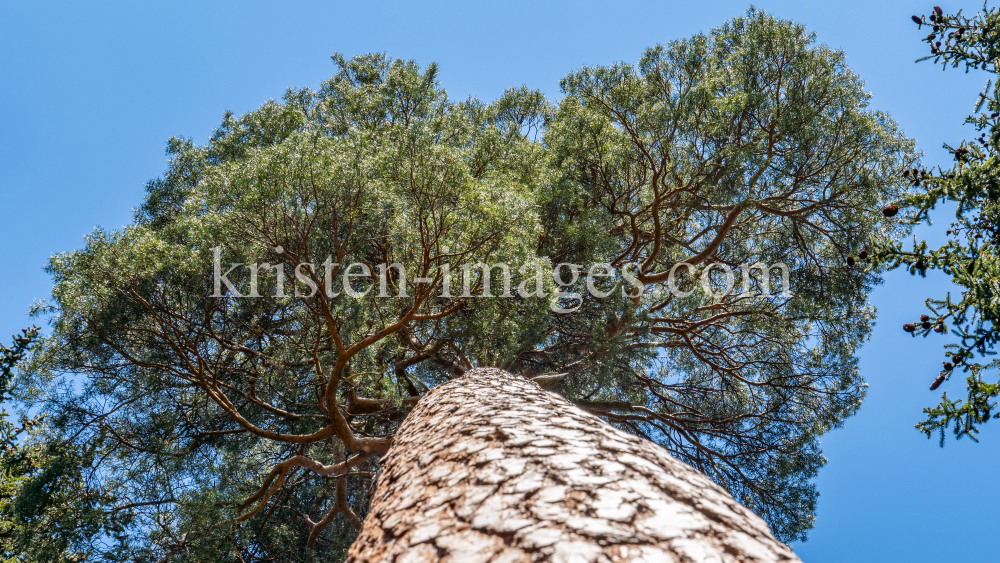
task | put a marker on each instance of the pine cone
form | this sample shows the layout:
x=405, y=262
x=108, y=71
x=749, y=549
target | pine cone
x=937, y=382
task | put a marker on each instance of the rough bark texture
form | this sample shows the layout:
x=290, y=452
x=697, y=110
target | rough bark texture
x=490, y=467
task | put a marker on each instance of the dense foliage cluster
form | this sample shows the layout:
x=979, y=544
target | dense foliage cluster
x=237, y=428
x=50, y=509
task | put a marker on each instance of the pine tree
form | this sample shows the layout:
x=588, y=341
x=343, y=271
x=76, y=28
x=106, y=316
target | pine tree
x=248, y=427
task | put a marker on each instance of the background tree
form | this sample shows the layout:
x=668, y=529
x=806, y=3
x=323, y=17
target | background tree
x=970, y=257
x=49, y=507
x=238, y=428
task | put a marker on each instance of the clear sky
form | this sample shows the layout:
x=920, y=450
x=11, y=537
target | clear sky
x=89, y=93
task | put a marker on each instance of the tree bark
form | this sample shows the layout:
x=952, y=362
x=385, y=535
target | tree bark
x=491, y=467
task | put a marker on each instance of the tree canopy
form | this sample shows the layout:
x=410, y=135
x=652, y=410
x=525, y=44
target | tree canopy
x=233, y=427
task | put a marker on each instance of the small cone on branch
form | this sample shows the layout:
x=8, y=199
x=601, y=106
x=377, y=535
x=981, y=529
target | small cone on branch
x=863, y=255
x=909, y=327
x=924, y=318
x=937, y=381
x=915, y=19
x=890, y=210
x=850, y=260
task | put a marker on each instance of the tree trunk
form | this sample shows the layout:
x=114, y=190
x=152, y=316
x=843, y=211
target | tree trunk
x=490, y=467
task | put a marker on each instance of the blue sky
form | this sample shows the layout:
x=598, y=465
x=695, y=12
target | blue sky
x=90, y=92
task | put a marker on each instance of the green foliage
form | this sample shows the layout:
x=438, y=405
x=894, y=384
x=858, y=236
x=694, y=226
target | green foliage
x=48, y=512
x=377, y=167
x=748, y=144
x=970, y=256
x=233, y=428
